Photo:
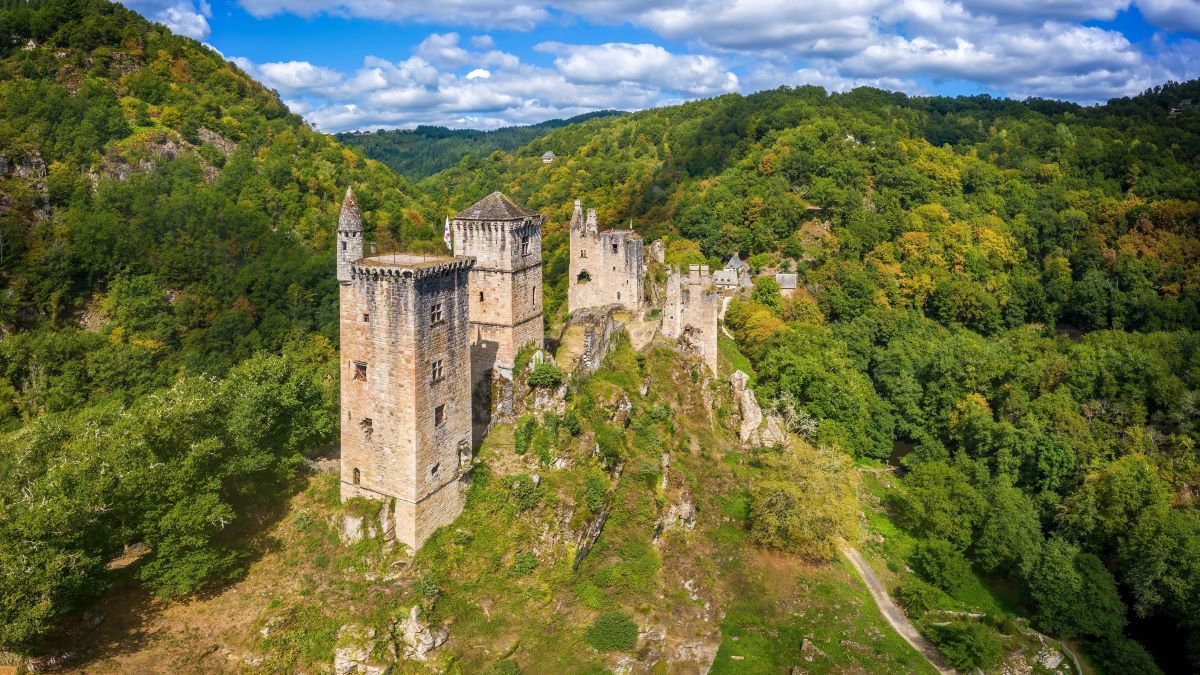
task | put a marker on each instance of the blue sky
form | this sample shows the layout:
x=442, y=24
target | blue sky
x=367, y=64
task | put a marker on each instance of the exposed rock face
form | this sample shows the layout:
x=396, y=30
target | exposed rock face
x=352, y=656
x=420, y=639
x=599, y=329
x=702, y=654
x=756, y=429
x=221, y=143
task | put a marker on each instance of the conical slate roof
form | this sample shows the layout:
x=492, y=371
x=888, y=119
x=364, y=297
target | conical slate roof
x=350, y=219
x=495, y=206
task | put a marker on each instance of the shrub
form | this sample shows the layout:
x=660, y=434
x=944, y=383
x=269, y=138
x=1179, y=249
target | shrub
x=967, y=645
x=939, y=563
x=611, y=632
x=523, y=434
x=524, y=564
x=917, y=597
x=570, y=422
x=545, y=375
x=524, y=493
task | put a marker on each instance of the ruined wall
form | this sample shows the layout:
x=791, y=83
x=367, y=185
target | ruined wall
x=390, y=328
x=690, y=312
x=606, y=268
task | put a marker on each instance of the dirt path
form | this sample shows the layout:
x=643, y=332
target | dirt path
x=721, y=317
x=894, y=615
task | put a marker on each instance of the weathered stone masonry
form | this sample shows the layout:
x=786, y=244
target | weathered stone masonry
x=606, y=268
x=690, y=312
x=405, y=381
x=506, y=282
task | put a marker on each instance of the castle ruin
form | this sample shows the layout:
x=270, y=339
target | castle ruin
x=405, y=381
x=690, y=313
x=606, y=268
x=505, y=302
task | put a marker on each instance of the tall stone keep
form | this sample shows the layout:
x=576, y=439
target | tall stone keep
x=607, y=268
x=405, y=384
x=505, y=238
x=690, y=312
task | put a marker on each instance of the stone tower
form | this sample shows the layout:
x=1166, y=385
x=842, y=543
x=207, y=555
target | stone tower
x=505, y=239
x=405, y=385
x=349, y=236
x=606, y=268
x=690, y=313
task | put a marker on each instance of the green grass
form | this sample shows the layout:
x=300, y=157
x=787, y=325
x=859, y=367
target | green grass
x=766, y=626
x=728, y=350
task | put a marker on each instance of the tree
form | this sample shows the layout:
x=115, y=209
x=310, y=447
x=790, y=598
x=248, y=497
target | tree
x=941, y=502
x=1010, y=535
x=767, y=293
x=1073, y=593
x=941, y=564
x=806, y=505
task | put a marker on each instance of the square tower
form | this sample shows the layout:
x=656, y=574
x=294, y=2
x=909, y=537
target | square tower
x=606, y=268
x=690, y=312
x=505, y=239
x=406, y=388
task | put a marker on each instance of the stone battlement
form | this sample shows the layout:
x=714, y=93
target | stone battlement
x=408, y=265
x=606, y=267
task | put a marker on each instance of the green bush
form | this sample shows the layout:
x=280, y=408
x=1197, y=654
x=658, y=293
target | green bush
x=917, y=597
x=545, y=375
x=941, y=564
x=967, y=645
x=524, y=564
x=523, y=434
x=611, y=632
x=524, y=493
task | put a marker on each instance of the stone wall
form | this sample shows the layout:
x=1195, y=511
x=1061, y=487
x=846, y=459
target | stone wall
x=393, y=444
x=606, y=268
x=690, y=312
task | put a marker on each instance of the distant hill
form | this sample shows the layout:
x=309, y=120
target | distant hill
x=426, y=150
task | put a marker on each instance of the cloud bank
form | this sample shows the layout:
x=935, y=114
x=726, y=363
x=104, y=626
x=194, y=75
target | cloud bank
x=1018, y=48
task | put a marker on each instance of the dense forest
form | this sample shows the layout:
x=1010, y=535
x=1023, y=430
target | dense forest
x=421, y=152
x=1000, y=296
x=168, y=314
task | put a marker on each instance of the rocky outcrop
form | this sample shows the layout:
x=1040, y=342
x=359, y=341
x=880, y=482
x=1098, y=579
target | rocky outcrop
x=417, y=639
x=352, y=655
x=756, y=429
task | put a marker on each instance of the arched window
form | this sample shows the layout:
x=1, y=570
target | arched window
x=583, y=277
x=357, y=476
x=618, y=296
x=481, y=296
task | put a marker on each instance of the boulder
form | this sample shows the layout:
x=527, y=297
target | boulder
x=756, y=429
x=419, y=638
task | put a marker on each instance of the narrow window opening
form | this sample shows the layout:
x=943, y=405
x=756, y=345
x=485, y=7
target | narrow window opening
x=343, y=246
x=533, y=294
x=525, y=244
x=481, y=296
x=360, y=370
x=582, y=253
x=614, y=247
x=618, y=296
x=436, y=371
x=366, y=317
x=357, y=476
x=439, y=415
x=435, y=313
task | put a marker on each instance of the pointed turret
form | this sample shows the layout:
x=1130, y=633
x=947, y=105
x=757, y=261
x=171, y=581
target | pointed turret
x=350, y=220
x=349, y=235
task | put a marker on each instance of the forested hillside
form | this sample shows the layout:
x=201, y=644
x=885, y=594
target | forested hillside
x=421, y=152
x=1007, y=289
x=163, y=218
x=999, y=296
